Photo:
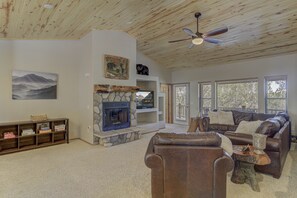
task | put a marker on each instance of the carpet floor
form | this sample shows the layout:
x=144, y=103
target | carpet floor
x=82, y=170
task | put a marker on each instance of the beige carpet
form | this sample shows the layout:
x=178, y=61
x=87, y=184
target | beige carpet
x=82, y=170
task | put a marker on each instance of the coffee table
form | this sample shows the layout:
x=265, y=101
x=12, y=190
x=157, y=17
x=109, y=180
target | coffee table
x=244, y=171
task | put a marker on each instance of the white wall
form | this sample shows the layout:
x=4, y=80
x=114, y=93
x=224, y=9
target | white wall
x=60, y=57
x=79, y=65
x=85, y=90
x=113, y=43
x=94, y=46
x=270, y=66
x=154, y=68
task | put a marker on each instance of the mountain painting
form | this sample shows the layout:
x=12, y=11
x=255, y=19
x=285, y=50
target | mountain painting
x=33, y=85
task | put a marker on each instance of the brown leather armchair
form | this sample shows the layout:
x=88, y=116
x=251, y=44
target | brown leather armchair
x=187, y=165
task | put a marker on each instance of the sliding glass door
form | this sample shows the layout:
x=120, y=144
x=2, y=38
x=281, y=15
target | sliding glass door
x=181, y=103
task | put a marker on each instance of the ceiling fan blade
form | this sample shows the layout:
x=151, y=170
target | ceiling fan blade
x=217, y=31
x=212, y=40
x=189, y=32
x=179, y=40
x=191, y=45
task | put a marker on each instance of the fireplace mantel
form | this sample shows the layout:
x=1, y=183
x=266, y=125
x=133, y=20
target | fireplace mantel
x=114, y=88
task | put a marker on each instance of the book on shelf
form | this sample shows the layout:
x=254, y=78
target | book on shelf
x=44, y=127
x=27, y=132
x=60, y=127
x=45, y=130
x=9, y=135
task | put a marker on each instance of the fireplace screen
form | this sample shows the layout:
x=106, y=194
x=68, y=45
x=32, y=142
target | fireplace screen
x=116, y=115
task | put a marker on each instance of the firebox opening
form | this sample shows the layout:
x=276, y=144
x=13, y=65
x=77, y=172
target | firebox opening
x=116, y=115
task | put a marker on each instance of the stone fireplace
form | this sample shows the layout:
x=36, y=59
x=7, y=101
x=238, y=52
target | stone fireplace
x=114, y=114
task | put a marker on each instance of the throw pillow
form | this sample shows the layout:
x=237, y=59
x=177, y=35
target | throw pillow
x=240, y=116
x=226, y=144
x=283, y=114
x=281, y=120
x=226, y=118
x=213, y=117
x=269, y=127
x=248, y=127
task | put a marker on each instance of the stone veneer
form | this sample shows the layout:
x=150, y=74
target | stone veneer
x=115, y=136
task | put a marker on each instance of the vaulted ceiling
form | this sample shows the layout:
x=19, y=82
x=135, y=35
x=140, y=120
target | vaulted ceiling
x=257, y=28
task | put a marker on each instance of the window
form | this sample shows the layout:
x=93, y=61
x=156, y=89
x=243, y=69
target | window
x=237, y=95
x=275, y=94
x=205, y=98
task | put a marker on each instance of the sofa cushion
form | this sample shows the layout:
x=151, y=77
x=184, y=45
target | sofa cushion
x=240, y=116
x=213, y=117
x=218, y=127
x=232, y=127
x=272, y=144
x=269, y=127
x=281, y=120
x=248, y=127
x=261, y=116
x=226, y=117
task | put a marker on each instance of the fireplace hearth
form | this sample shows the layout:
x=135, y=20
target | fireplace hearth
x=116, y=115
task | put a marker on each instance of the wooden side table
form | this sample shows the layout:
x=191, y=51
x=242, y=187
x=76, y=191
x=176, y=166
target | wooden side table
x=244, y=171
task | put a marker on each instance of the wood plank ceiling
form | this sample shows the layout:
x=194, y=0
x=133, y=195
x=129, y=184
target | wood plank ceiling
x=257, y=28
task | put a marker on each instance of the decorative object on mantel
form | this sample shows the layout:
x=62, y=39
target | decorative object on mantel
x=33, y=85
x=114, y=88
x=36, y=118
x=116, y=67
x=142, y=69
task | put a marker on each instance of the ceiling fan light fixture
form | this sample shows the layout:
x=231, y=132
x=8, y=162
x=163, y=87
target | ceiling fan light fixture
x=197, y=41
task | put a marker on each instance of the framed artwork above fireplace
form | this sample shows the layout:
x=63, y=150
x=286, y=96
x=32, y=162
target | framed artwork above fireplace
x=116, y=67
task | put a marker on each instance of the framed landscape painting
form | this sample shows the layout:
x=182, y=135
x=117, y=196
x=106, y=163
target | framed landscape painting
x=116, y=67
x=33, y=85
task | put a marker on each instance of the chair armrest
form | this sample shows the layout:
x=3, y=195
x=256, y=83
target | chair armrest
x=227, y=162
x=203, y=124
x=222, y=165
x=151, y=159
x=154, y=162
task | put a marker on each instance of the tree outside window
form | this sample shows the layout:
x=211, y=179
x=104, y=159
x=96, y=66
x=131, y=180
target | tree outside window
x=275, y=94
x=237, y=95
x=205, y=100
x=180, y=99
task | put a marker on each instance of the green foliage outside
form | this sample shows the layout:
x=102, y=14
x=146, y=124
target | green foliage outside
x=237, y=95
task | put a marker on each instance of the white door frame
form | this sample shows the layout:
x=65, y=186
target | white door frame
x=184, y=121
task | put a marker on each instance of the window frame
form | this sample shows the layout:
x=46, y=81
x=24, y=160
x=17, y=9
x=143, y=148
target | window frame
x=275, y=78
x=201, y=98
x=217, y=83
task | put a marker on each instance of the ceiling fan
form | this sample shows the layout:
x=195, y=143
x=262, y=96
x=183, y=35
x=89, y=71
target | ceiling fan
x=198, y=37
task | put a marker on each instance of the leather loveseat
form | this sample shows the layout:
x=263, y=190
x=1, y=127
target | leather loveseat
x=277, y=143
x=187, y=165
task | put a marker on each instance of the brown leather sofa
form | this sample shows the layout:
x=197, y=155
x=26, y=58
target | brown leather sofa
x=277, y=143
x=187, y=165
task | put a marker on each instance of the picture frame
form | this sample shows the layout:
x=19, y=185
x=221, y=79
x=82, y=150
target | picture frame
x=30, y=85
x=116, y=67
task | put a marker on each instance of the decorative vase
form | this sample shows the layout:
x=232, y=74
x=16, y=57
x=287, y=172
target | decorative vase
x=259, y=142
